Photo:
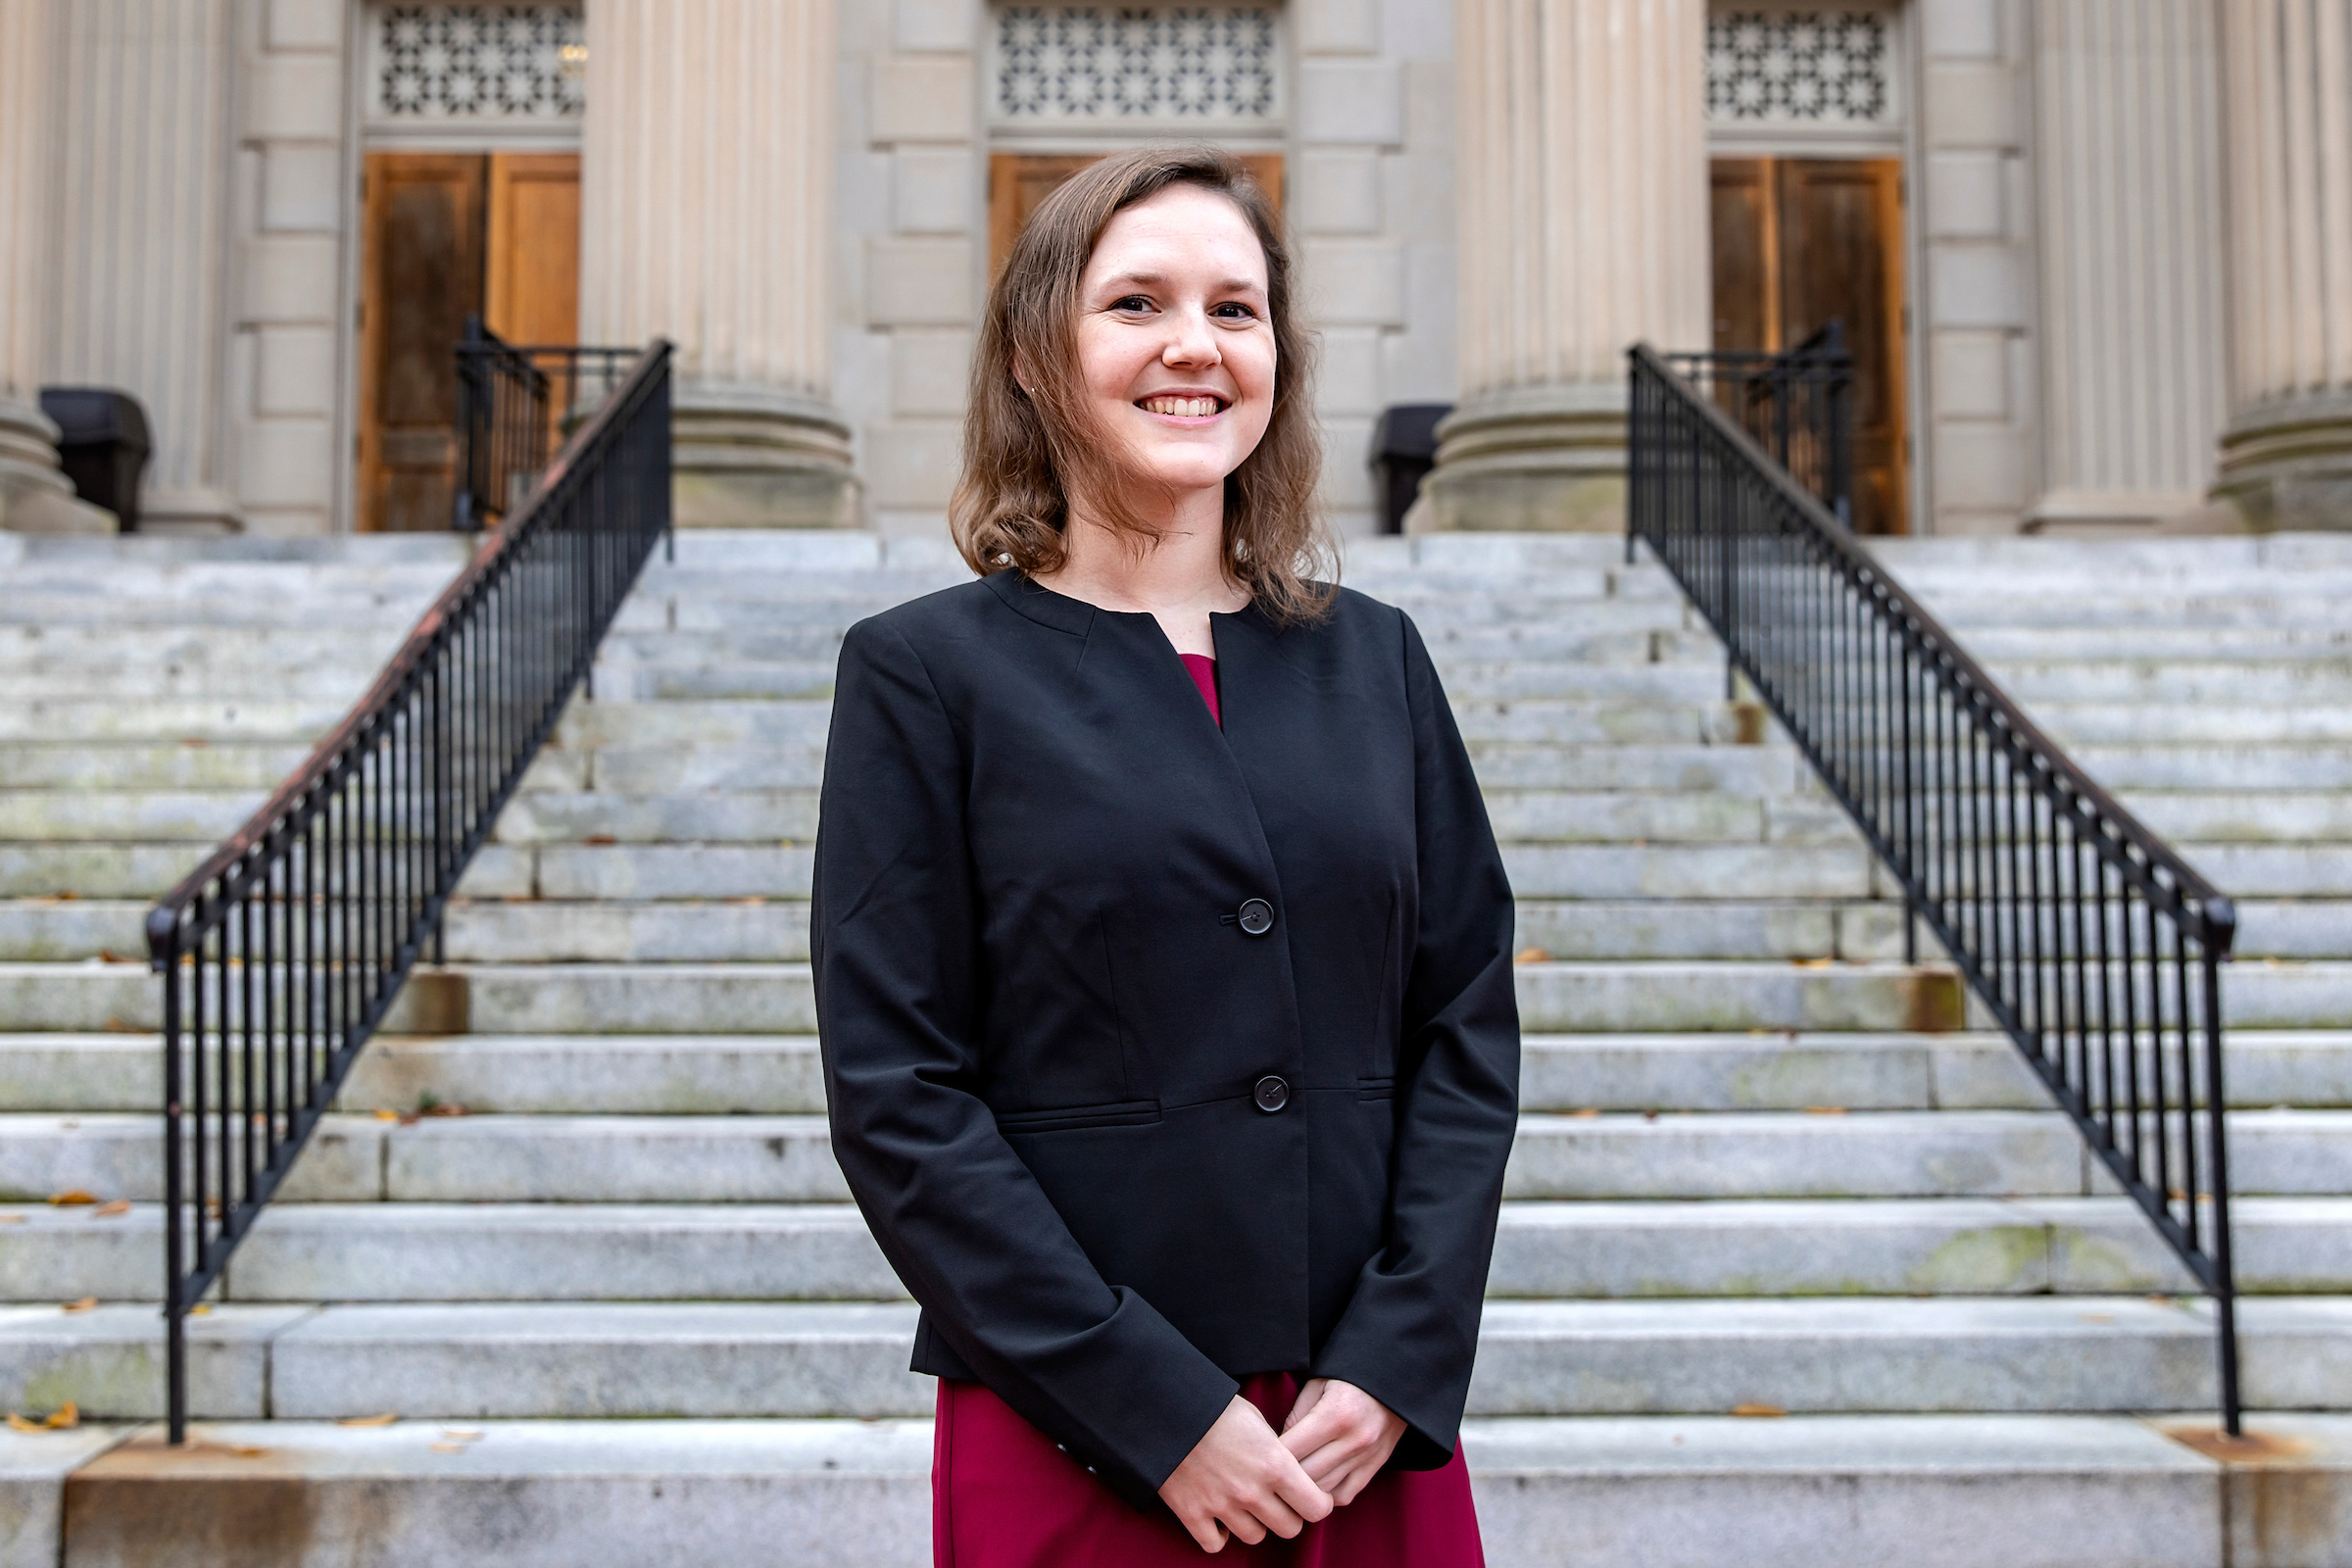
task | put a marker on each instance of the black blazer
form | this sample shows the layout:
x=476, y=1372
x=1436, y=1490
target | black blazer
x=1125, y=1139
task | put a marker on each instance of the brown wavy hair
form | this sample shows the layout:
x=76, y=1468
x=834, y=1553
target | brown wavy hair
x=1025, y=453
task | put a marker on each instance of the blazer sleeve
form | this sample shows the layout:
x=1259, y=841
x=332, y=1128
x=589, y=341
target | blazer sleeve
x=1411, y=1331
x=896, y=953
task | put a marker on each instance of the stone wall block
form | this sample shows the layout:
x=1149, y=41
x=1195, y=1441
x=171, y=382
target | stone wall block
x=1968, y=375
x=929, y=371
x=919, y=282
x=912, y=463
x=1979, y=465
x=918, y=24
x=1352, y=101
x=287, y=462
x=287, y=278
x=1960, y=29
x=294, y=371
x=1977, y=285
x=1348, y=378
x=304, y=24
x=302, y=186
x=924, y=99
x=1354, y=281
x=1965, y=198
x=933, y=190
x=1337, y=191
x=293, y=97
x=1973, y=105
x=1336, y=26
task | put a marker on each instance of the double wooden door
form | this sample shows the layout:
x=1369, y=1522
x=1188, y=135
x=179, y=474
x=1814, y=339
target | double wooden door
x=1799, y=242
x=447, y=235
x=1018, y=182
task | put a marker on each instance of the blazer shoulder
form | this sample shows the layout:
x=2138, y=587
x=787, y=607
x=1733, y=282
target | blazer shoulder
x=948, y=614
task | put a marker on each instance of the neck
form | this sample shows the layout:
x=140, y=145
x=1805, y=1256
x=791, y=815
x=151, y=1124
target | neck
x=1180, y=578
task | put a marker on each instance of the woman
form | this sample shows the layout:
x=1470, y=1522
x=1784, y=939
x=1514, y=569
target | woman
x=1163, y=948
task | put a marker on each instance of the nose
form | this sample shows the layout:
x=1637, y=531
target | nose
x=1191, y=343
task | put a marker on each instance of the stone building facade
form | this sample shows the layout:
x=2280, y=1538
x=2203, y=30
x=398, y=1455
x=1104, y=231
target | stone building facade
x=2098, y=252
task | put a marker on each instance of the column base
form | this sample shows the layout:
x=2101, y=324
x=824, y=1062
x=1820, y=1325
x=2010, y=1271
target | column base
x=1533, y=458
x=756, y=459
x=35, y=496
x=2287, y=465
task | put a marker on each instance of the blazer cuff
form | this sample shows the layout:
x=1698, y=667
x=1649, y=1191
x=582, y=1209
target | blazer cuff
x=1426, y=1389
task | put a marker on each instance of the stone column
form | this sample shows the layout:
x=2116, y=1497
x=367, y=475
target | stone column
x=141, y=234
x=34, y=496
x=706, y=190
x=1581, y=182
x=2287, y=453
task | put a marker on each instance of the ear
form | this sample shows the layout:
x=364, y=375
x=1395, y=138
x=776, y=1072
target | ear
x=1020, y=372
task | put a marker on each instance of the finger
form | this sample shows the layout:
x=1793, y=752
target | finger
x=1348, y=1488
x=1326, y=1425
x=1205, y=1530
x=1244, y=1524
x=1302, y=1494
x=1275, y=1514
x=1310, y=1394
x=1330, y=1462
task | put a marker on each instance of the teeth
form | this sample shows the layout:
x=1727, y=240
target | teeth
x=1182, y=407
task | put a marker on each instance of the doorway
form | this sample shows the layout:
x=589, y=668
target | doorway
x=1799, y=242
x=1017, y=183
x=447, y=235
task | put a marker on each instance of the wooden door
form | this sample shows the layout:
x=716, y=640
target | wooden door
x=1017, y=183
x=532, y=294
x=1798, y=242
x=421, y=275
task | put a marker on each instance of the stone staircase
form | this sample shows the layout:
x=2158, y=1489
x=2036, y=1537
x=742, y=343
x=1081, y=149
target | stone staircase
x=1797, y=1266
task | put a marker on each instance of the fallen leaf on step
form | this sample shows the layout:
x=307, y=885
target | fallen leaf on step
x=449, y=1447
x=65, y=1417
x=1587, y=1114
x=1824, y=1111
x=71, y=1197
x=462, y=1433
x=67, y=894
x=387, y=1115
x=16, y=1423
x=120, y=1206
x=88, y=1304
x=109, y=955
x=1761, y=1411
x=383, y=1420
x=444, y=1107
x=200, y=1309
x=12, y=1219
x=1813, y=963
x=752, y=903
x=1650, y=1116
x=249, y=1453
x=1531, y=955
x=196, y=741
x=2097, y=1317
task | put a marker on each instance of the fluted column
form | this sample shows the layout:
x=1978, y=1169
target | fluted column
x=142, y=208
x=707, y=180
x=34, y=496
x=2286, y=454
x=2132, y=270
x=1581, y=184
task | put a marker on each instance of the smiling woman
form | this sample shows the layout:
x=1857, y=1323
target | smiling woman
x=1163, y=950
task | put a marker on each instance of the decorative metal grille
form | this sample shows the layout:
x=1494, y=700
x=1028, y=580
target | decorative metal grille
x=480, y=61
x=1803, y=66
x=1135, y=64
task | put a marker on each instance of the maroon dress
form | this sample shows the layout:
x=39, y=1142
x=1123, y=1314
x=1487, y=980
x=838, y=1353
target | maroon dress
x=1003, y=1495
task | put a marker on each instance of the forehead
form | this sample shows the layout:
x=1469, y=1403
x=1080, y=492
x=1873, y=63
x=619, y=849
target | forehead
x=1181, y=231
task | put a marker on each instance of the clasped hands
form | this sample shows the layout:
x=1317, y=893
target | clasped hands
x=1241, y=1480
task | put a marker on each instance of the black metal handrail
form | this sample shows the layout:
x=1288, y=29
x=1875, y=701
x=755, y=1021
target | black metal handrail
x=282, y=955
x=1799, y=406
x=2095, y=947
x=516, y=403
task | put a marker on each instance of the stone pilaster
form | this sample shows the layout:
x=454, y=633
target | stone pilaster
x=34, y=496
x=2287, y=453
x=707, y=189
x=1581, y=184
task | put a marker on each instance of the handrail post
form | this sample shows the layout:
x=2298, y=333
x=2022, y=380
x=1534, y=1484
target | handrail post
x=175, y=1346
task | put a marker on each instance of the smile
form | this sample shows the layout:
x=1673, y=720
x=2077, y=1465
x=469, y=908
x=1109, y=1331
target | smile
x=1182, y=408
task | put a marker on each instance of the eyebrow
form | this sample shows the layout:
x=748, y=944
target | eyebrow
x=1235, y=285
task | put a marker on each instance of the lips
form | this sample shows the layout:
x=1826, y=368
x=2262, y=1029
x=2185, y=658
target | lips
x=1182, y=408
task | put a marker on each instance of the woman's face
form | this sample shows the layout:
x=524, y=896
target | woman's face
x=1175, y=344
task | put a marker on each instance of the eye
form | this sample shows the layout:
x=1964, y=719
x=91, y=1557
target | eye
x=1233, y=311
x=1132, y=304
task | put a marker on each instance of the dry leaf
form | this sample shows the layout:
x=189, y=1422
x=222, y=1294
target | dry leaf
x=383, y=1420
x=2097, y=1317
x=462, y=1433
x=387, y=1115
x=600, y=840
x=1531, y=955
x=88, y=1304
x=1587, y=1114
x=120, y=1206
x=12, y=1219
x=66, y=1416
x=71, y=1197
x=1765, y=1410
x=449, y=1447
x=200, y=1309
x=445, y=1107
x=249, y=1453
x=1650, y=1116
x=1824, y=1111
x=1813, y=963
x=16, y=1423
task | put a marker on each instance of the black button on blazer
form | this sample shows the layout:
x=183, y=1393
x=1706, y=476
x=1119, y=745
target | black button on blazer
x=1049, y=1010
